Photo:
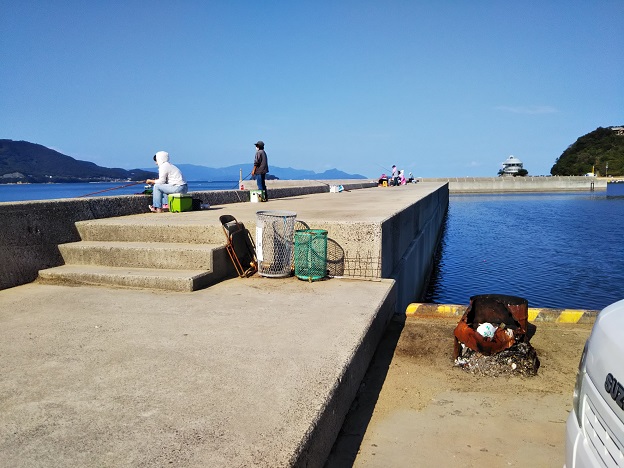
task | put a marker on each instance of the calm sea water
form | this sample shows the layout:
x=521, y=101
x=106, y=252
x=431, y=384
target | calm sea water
x=25, y=192
x=555, y=250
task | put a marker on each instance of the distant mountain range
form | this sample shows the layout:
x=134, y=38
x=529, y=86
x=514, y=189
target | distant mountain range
x=192, y=172
x=21, y=161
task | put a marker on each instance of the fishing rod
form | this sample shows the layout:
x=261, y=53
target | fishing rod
x=112, y=188
x=239, y=182
x=384, y=168
x=321, y=182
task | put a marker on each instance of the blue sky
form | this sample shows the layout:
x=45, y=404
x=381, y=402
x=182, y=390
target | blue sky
x=439, y=88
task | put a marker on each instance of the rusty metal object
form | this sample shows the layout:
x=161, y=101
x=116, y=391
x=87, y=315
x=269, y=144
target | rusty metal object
x=509, y=313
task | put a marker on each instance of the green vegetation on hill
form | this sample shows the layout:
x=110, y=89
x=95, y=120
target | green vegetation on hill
x=21, y=161
x=601, y=148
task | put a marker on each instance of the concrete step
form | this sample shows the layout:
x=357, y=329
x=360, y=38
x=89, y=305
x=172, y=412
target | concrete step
x=194, y=228
x=163, y=279
x=173, y=251
x=154, y=255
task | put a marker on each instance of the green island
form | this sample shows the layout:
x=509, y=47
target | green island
x=600, y=152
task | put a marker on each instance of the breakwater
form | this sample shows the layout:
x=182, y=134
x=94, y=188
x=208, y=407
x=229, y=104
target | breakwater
x=299, y=348
x=31, y=231
x=521, y=184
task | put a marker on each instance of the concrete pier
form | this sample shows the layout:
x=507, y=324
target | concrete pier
x=246, y=372
x=31, y=231
x=522, y=184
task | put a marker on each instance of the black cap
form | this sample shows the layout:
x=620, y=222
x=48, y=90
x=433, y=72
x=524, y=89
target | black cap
x=260, y=144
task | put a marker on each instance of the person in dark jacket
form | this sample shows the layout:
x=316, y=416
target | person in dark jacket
x=260, y=169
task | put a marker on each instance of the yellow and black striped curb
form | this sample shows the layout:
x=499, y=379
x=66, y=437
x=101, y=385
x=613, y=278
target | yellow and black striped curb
x=535, y=315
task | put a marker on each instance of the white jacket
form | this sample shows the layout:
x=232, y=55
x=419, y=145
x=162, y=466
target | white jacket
x=167, y=172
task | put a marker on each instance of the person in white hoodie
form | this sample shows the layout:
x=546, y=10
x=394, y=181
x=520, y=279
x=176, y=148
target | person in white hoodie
x=170, y=180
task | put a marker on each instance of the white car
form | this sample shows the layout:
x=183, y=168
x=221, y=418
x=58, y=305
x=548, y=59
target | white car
x=595, y=426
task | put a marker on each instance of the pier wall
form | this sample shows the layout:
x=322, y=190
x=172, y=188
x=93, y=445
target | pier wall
x=31, y=231
x=397, y=240
x=522, y=184
x=409, y=242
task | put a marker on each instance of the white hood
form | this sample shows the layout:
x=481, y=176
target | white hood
x=162, y=156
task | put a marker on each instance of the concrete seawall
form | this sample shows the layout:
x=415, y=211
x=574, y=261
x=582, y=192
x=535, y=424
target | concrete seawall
x=31, y=231
x=246, y=372
x=522, y=184
x=409, y=242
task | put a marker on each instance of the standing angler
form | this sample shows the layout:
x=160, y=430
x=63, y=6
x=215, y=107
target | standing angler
x=260, y=169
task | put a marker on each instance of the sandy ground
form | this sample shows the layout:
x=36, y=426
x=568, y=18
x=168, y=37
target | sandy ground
x=416, y=409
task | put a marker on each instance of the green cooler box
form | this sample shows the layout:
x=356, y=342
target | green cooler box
x=180, y=202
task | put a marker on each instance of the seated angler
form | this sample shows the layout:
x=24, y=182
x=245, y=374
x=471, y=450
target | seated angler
x=170, y=180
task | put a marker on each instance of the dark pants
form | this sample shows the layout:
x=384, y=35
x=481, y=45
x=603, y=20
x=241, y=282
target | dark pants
x=261, y=181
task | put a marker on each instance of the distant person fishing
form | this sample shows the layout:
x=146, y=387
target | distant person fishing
x=260, y=169
x=170, y=180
